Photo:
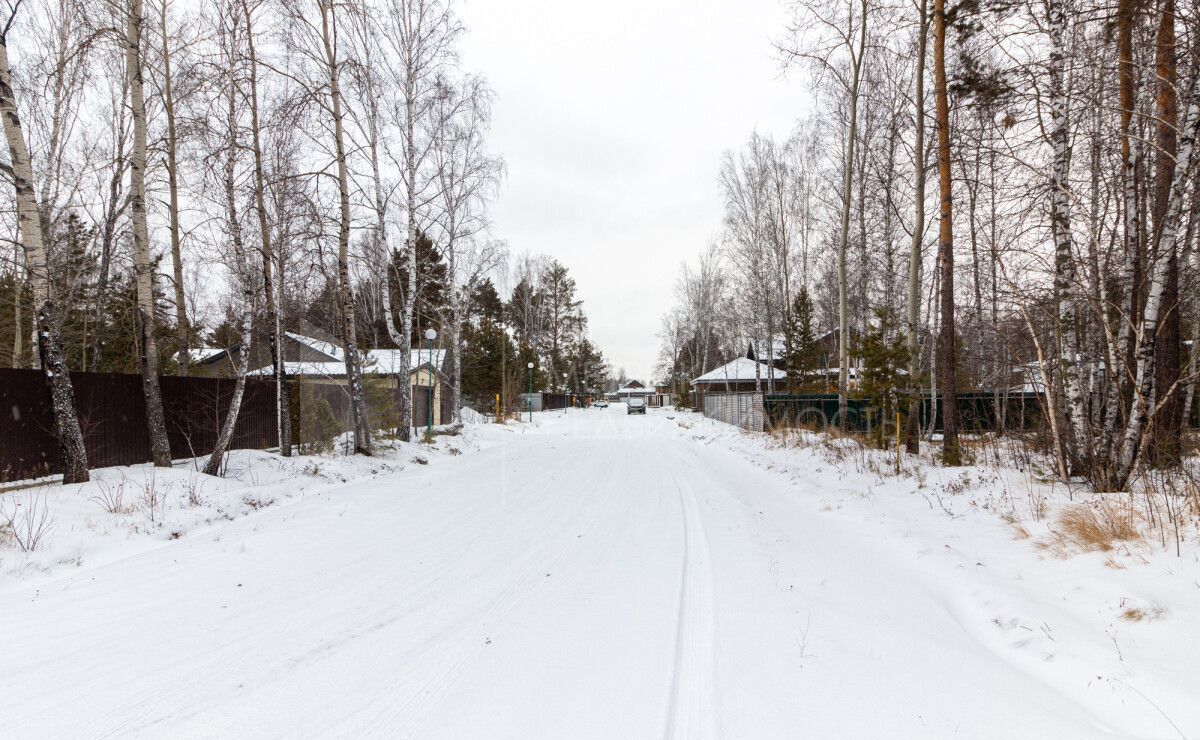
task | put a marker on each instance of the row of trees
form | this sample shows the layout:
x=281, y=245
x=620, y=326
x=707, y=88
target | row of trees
x=239, y=159
x=1049, y=250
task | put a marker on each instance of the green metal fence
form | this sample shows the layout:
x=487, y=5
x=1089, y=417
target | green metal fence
x=976, y=411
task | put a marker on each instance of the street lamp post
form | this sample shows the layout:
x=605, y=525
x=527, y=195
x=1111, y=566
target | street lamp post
x=431, y=335
x=530, y=366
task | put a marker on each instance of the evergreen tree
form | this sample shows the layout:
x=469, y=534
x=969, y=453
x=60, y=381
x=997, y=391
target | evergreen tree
x=564, y=319
x=10, y=327
x=489, y=355
x=433, y=280
x=885, y=355
x=801, y=353
x=589, y=369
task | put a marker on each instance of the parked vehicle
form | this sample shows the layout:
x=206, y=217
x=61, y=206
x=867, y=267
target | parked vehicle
x=635, y=405
x=601, y=404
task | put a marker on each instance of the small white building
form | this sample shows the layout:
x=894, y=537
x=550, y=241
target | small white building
x=632, y=389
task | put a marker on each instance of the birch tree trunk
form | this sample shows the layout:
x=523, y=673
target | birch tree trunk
x=856, y=60
x=1126, y=297
x=160, y=450
x=947, y=354
x=1070, y=444
x=58, y=379
x=410, y=257
x=1144, y=405
x=182, y=327
x=283, y=417
x=913, y=432
x=242, y=270
x=1166, y=445
x=358, y=409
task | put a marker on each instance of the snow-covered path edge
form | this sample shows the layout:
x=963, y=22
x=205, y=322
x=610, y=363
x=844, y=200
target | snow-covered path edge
x=1111, y=633
x=127, y=510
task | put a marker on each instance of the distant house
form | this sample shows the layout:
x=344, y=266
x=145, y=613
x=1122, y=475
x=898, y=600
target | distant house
x=741, y=375
x=632, y=389
x=827, y=368
x=318, y=358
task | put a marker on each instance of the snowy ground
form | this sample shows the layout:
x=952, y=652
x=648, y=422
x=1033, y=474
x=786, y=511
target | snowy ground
x=593, y=576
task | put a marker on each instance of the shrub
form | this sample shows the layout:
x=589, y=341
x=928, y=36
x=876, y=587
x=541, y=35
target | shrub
x=381, y=403
x=317, y=425
x=25, y=522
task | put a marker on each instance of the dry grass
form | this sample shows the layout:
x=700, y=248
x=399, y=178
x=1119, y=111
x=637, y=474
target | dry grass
x=1139, y=614
x=1092, y=529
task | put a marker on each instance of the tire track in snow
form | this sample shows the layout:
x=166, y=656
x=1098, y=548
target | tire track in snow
x=452, y=653
x=691, y=713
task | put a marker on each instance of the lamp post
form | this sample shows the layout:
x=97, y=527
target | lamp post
x=530, y=366
x=431, y=335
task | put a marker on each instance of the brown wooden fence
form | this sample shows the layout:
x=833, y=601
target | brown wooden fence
x=112, y=412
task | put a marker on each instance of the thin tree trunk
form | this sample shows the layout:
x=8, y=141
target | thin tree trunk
x=242, y=261
x=1166, y=445
x=358, y=409
x=58, y=379
x=913, y=432
x=283, y=417
x=410, y=256
x=1072, y=439
x=948, y=354
x=113, y=209
x=156, y=425
x=182, y=327
x=843, y=238
x=1127, y=288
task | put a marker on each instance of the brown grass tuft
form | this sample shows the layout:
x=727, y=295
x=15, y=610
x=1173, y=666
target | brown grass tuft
x=1138, y=614
x=1096, y=528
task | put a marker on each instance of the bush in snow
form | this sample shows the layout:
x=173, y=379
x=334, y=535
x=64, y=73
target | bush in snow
x=26, y=522
x=110, y=495
x=314, y=417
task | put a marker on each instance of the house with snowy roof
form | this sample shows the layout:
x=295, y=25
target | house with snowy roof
x=318, y=357
x=740, y=375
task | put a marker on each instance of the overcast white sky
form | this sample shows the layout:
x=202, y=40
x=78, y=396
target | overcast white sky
x=612, y=118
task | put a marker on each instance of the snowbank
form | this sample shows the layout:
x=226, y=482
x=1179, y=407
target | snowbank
x=125, y=510
x=997, y=541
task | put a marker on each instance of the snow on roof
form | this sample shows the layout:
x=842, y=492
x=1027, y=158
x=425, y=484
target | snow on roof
x=200, y=354
x=387, y=361
x=374, y=361
x=739, y=369
x=639, y=390
x=318, y=345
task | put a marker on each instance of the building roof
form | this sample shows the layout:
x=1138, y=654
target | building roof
x=329, y=349
x=202, y=354
x=638, y=390
x=740, y=369
x=375, y=362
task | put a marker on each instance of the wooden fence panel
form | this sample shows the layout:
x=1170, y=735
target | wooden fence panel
x=112, y=413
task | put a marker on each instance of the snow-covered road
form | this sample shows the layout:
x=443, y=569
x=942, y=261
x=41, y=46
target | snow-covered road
x=598, y=576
